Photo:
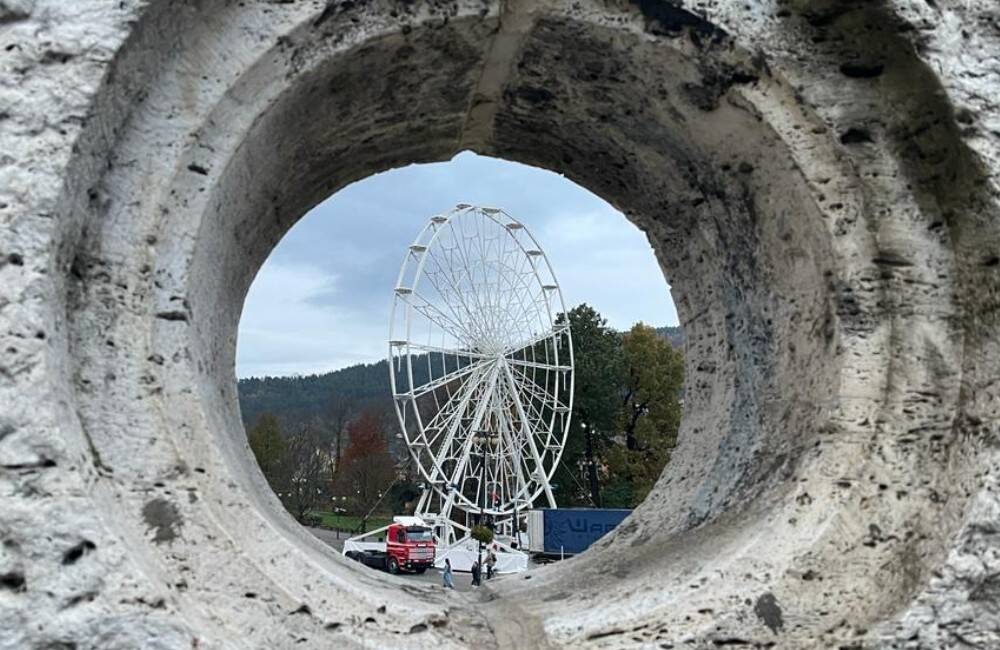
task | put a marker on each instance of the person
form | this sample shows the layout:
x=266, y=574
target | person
x=491, y=563
x=447, y=579
x=476, y=574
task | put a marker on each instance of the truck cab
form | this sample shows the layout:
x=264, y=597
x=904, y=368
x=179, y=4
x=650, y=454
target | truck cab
x=409, y=546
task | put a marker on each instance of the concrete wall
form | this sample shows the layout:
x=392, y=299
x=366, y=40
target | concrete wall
x=818, y=179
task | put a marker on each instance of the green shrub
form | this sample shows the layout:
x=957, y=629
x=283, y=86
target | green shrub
x=481, y=534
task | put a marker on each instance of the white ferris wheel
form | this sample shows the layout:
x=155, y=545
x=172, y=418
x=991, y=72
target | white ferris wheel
x=481, y=365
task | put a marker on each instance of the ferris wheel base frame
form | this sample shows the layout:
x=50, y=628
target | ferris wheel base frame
x=465, y=551
x=454, y=542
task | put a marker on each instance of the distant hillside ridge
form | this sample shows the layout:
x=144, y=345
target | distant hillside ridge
x=674, y=334
x=307, y=398
x=301, y=398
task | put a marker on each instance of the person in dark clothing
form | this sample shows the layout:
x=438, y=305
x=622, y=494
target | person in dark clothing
x=476, y=574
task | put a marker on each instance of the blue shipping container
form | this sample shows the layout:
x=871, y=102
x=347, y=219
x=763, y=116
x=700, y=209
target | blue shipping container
x=573, y=530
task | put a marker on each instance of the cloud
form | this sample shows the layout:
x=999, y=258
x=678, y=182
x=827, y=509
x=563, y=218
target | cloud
x=285, y=331
x=602, y=259
x=321, y=300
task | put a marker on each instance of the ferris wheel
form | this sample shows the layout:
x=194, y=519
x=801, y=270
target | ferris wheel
x=481, y=365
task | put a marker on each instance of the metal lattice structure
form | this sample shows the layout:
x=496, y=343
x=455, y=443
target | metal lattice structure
x=481, y=365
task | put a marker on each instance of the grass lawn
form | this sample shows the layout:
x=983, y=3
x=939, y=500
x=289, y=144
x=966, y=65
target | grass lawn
x=349, y=523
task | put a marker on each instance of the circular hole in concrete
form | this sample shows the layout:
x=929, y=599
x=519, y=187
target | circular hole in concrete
x=318, y=305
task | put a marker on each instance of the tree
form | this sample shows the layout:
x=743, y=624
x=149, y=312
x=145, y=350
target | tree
x=302, y=473
x=598, y=368
x=336, y=414
x=653, y=380
x=268, y=447
x=367, y=469
x=650, y=413
x=482, y=534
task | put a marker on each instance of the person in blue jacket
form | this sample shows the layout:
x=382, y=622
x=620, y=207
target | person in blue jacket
x=447, y=579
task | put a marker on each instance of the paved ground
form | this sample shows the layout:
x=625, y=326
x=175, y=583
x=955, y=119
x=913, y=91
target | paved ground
x=335, y=539
x=511, y=626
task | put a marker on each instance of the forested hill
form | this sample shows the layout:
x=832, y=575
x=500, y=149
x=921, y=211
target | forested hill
x=349, y=391
x=673, y=334
x=307, y=397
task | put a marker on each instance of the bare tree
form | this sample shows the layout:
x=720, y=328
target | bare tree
x=304, y=473
x=336, y=414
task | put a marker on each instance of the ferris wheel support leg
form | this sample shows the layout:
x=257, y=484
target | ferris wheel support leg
x=470, y=388
x=477, y=420
x=422, y=503
x=449, y=529
x=549, y=496
x=531, y=440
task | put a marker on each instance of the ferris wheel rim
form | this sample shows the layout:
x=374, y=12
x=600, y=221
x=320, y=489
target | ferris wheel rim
x=521, y=344
x=534, y=486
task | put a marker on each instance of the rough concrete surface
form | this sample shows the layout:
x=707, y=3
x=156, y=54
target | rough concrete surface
x=819, y=180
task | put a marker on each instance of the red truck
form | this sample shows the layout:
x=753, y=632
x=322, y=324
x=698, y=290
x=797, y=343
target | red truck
x=408, y=546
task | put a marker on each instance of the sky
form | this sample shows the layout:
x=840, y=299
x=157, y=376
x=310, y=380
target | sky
x=321, y=301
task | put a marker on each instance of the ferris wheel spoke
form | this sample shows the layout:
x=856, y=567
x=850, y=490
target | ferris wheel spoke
x=461, y=294
x=544, y=412
x=541, y=404
x=453, y=310
x=536, y=423
x=531, y=342
x=538, y=302
x=458, y=437
x=491, y=288
x=516, y=283
x=540, y=366
x=435, y=315
x=515, y=457
x=497, y=283
x=457, y=352
x=467, y=265
x=445, y=379
x=532, y=387
x=535, y=417
x=458, y=405
x=477, y=420
x=449, y=277
x=528, y=435
x=449, y=416
x=520, y=284
x=507, y=280
x=549, y=389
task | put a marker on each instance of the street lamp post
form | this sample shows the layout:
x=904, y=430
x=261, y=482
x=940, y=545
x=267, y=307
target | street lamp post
x=483, y=440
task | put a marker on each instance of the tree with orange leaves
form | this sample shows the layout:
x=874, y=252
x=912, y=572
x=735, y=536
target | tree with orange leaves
x=367, y=469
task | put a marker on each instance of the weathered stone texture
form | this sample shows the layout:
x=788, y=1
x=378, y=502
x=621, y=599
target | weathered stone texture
x=819, y=180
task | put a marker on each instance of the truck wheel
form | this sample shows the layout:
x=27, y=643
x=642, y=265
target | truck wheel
x=392, y=565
